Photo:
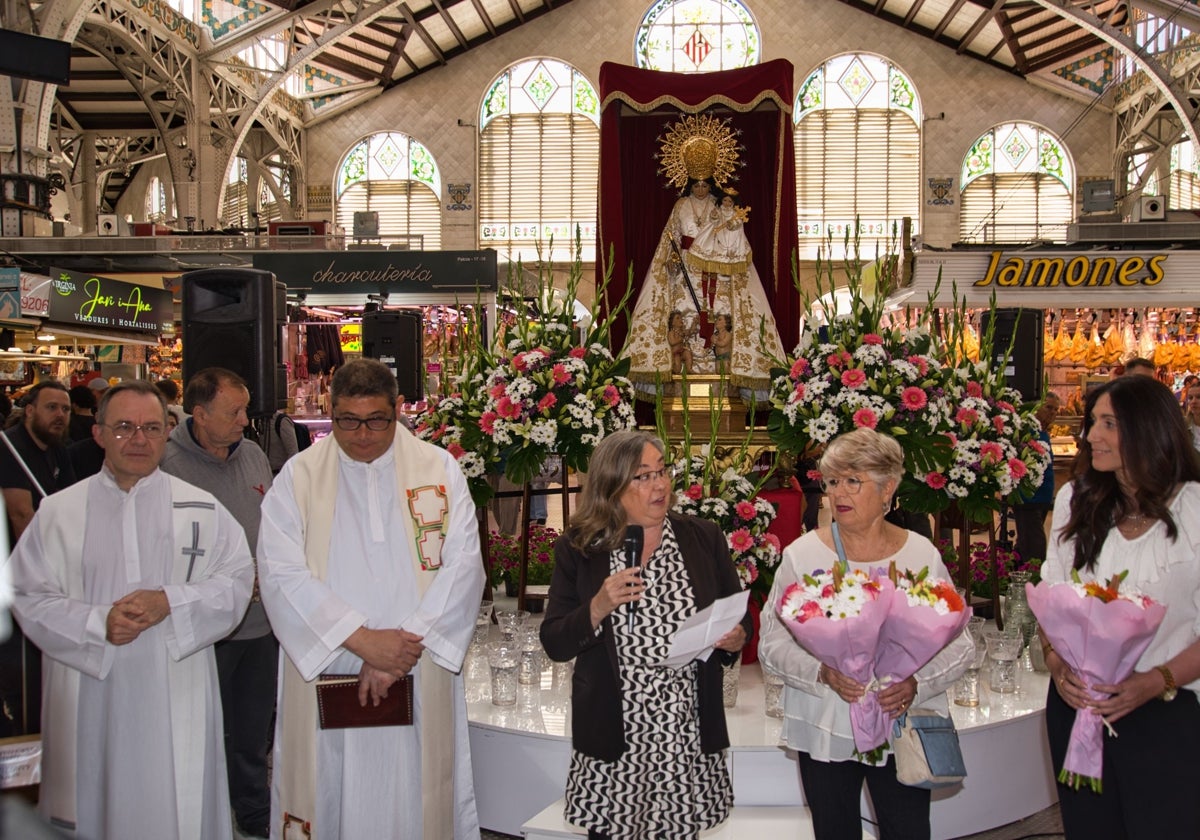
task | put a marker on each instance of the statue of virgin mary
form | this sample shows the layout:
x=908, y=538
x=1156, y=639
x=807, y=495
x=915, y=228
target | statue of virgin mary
x=702, y=308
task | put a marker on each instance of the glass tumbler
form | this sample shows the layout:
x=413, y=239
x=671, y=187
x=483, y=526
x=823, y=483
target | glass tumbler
x=483, y=623
x=966, y=692
x=509, y=621
x=1003, y=651
x=529, y=671
x=773, y=690
x=504, y=660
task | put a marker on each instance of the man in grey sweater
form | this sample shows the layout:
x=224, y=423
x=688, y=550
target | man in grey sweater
x=209, y=451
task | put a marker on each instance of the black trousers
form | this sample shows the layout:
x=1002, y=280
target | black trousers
x=247, y=670
x=1031, y=530
x=833, y=789
x=1149, y=773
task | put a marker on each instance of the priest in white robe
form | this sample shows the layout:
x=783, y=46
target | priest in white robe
x=369, y=564
x=125, y=581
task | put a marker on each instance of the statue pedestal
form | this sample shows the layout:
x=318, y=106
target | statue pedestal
x=702, y=404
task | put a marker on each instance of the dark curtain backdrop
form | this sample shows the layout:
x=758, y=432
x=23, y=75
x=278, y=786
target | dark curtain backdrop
x=638, y=107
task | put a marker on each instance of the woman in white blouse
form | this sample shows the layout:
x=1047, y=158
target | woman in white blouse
x=860, y=471
x=1134, y=505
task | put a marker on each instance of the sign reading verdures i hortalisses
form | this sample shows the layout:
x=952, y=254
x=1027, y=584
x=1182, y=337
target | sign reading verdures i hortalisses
x=79, y=298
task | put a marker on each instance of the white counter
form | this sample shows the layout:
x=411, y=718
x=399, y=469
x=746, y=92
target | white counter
x=521, y=754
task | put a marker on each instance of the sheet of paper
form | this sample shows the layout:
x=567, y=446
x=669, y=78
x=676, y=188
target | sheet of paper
x=699, y=633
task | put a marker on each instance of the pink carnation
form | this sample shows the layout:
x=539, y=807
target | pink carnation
x=740, y=540
x=695, y=492
x=808, y=611
x=935, y=480
x=854, y=378
x=865, y=418
x=1017, y=468
x=914, y=398
x=872, y=338
x=746, y=510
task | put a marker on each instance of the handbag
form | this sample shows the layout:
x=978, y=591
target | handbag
x=927, y=751
x=338, y=706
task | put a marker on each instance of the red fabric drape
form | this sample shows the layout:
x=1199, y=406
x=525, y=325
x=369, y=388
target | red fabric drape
x=637, y=108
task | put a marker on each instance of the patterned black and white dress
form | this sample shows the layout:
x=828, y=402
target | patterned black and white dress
x=662, y=786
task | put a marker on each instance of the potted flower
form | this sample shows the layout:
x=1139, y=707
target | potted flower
x=505, y=553
x=1007, y=561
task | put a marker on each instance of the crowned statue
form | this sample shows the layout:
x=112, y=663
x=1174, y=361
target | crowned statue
x=702, y=308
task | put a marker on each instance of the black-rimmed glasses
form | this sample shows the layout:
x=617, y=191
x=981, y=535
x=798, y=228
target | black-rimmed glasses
x=654, y=475
x=350, y=423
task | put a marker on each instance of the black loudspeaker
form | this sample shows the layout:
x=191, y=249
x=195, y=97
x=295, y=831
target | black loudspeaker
x=232, y=318
x=1024, y=371
x=394, y=338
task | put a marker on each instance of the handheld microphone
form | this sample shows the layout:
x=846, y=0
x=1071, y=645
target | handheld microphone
x=634, y=539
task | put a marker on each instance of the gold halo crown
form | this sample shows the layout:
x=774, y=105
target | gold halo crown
x=699, y=146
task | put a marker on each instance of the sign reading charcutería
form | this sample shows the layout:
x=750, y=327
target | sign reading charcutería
x=79, y=298
x=438, y=272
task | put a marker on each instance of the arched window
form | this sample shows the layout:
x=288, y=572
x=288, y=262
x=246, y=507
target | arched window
x=1017, y=184
x=270, y=209
x=1185, y=177
x=697, y=36
x=395, y=176
x=236, y=210
x=858, y=155
x=158, y=207
x=539, y=160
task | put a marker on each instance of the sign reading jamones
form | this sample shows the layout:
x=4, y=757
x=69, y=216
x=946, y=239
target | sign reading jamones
x=1059, y=278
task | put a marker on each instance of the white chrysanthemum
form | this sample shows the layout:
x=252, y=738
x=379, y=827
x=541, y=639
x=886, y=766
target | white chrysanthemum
x=544, y=433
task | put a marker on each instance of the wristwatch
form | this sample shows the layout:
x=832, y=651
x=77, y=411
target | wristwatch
x=1170, y=690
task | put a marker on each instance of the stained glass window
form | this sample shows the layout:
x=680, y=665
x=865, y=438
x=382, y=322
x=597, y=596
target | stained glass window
x=1017, y=182
x=858, y=156
x=697, y=36
x=397, y=177
x=539, y=159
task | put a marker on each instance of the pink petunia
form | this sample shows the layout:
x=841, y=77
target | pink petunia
x=487, y=422
x=695, y=492
x=799, y=368
x=935, y=480
x=456, y=450
x=1017, y=468
x=967, y=416
x=546, y=403
x=865, y=418
x=741, y=540
x=746, y=510
x=559, y=374
x=872, y=338
x=914, y=398
x=577, y=353
x=854, y=378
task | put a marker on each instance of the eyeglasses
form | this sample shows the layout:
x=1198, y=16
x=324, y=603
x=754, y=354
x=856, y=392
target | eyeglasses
x=124, y=430
x=850, y=485
x=350, y=423
x=654, y=475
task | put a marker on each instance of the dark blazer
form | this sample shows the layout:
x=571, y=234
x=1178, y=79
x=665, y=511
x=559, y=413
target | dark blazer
x=597, y=728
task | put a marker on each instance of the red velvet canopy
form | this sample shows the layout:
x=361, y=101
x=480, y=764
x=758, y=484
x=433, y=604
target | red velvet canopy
x=637, y=108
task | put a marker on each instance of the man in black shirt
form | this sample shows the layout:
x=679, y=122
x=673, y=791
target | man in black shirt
x=39, y=441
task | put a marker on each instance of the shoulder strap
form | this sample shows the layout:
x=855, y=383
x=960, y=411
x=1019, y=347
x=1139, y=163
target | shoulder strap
x=28, y=472
x=837, y=544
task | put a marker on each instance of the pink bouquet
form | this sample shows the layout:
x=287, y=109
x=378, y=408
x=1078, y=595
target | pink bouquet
x=837, y=617
x=924, y=615
x=1100, y=633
